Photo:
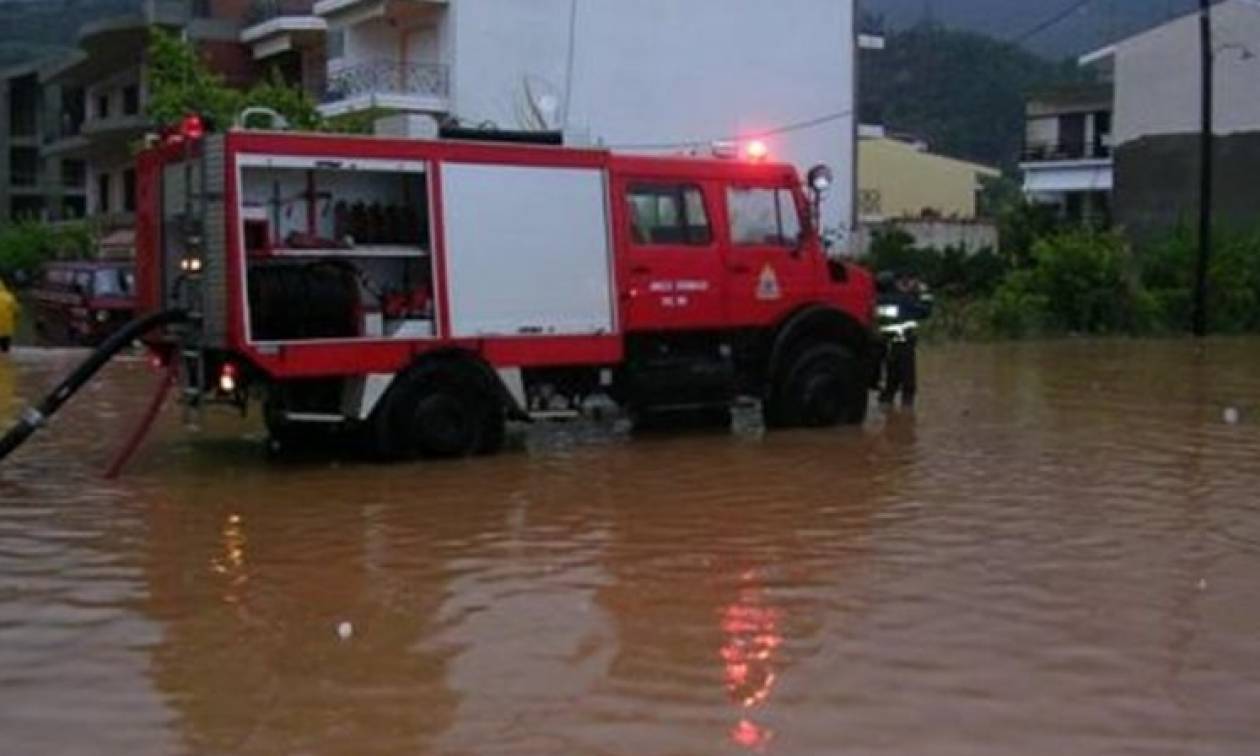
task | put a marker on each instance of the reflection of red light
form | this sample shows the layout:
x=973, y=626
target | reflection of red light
x=756, y=150
x=750, y=735
x=752, y=637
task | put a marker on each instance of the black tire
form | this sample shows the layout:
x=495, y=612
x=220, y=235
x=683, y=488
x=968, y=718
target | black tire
x=493, y=428
x=824, y=385
x=437, y=412
x=444, y=423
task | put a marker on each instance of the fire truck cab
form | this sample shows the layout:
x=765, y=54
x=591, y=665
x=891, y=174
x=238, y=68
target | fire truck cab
x=417, y=294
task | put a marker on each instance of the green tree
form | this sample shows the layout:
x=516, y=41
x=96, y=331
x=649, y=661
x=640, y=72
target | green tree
x=182, y=83
x=27, y=244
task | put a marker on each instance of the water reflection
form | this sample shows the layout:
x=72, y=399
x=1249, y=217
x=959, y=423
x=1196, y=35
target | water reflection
x=753, y=637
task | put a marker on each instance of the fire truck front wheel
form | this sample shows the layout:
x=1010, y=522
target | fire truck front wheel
x=823, y=386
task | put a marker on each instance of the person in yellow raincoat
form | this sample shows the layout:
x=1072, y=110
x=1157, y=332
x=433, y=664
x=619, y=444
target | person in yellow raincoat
x=8, y=317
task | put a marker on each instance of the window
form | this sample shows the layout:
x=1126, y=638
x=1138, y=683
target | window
x=102, y=193
x=665, y=214
x=336, y=44
x=102, y=106
x=129, y=190
x=131, y=100
x=112, y=282
x=764, y=217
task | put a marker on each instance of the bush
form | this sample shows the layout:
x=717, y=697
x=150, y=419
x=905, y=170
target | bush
x=953, y=272
x=1168, y=271
x=1078, y=282
x=1018, y=308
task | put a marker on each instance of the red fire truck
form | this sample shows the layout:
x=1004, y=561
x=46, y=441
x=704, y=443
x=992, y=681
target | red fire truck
x=418, y=294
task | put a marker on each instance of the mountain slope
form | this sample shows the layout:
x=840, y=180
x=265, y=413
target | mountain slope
x=1096, y=25
x=35, y=28
x=962, y=92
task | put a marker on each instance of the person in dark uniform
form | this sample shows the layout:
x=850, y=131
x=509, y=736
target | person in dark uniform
x=902, y=306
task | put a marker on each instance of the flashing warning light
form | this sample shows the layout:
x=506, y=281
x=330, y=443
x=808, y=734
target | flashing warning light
x=192, y=127
x=227, y=378
x=756, y=150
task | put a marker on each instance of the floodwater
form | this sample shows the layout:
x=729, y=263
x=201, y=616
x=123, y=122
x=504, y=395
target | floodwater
x=1059, y=553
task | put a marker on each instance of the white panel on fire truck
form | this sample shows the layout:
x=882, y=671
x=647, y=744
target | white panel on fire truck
x=527, y=250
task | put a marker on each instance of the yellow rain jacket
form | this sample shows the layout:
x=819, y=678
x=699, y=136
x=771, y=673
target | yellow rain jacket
x=8, y=312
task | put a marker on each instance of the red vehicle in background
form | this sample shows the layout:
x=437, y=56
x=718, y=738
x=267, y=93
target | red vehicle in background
x=80, y=303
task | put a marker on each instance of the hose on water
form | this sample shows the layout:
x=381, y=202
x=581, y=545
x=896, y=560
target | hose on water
x=37, y=416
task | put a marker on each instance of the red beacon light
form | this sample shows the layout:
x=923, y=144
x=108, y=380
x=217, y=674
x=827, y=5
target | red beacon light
x=756, y=151
x=192, y=127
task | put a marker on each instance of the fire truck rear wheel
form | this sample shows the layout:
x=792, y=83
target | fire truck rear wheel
x=444, y=423
x=823, y=386
x=433, y=414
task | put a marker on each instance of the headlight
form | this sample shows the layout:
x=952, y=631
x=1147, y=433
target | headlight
x=102, y=316
x=892, y=312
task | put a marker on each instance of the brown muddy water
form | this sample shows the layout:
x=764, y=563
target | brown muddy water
x=1059, y=553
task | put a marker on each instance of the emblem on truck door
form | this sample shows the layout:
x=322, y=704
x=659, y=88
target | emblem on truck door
x=768, y=285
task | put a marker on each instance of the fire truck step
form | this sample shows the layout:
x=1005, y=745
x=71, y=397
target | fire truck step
x=314, y=417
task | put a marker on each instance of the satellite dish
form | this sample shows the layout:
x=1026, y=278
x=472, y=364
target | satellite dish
x=539, y=105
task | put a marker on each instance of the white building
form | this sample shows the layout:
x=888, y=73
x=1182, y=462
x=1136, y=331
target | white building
x=1157, y=121
x=1067, y=151
x=661, y=76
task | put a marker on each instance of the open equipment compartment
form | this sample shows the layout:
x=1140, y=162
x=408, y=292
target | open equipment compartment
x=336, y=249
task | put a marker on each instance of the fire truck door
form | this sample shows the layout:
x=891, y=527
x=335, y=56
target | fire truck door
x=770, y=269
x=674, y=271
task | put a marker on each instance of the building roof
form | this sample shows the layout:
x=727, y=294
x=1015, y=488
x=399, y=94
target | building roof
x=918, y=150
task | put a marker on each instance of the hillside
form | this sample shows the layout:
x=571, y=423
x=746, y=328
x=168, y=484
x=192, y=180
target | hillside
x=962, y=92
x=34, y=28
x=1096, y=25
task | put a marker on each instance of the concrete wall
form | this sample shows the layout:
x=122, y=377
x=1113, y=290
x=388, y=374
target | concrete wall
x=1158, y=87
x=971, y=236
x=908, y=182
x=654, y=72
x=1157, y=183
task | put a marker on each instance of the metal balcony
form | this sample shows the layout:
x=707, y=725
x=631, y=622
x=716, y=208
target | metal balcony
x=1052, y=152
x=389, y=77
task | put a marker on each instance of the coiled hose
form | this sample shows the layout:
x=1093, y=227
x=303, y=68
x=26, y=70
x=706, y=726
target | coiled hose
x=37, y=416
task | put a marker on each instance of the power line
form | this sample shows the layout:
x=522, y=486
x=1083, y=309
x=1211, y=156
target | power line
x=785, y=129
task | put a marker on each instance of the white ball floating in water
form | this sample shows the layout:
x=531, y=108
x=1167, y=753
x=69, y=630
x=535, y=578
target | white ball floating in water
x=345, y=630
x=1232, y=416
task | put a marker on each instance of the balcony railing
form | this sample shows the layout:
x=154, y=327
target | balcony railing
x=1049, y=152
x=389, y=77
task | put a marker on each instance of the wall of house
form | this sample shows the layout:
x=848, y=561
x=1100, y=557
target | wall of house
x=1157, y=183
x=908, y=182
x=1158, y=85
x=112, y=89
x=416, y=37
x=666, y=72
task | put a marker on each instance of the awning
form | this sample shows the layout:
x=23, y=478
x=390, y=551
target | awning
x=118, y=243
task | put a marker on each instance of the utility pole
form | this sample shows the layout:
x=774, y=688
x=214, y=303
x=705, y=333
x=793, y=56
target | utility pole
x=1206, y=155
